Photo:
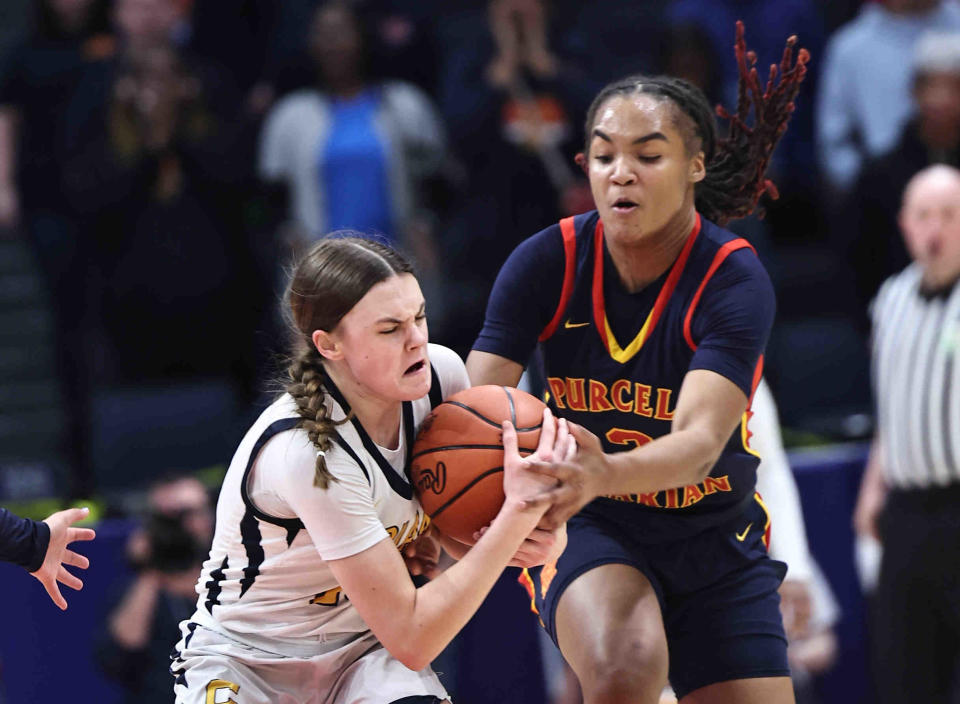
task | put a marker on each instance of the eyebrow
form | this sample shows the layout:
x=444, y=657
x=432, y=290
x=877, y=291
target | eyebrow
x=396, y=321
x=639, y=140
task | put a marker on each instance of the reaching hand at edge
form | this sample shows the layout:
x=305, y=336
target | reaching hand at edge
x=53, y=569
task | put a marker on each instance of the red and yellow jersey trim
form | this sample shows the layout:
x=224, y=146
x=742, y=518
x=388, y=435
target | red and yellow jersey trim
x=569, y=233
x=722, y=253
x=745, y=433
x=766, y=527
x=526, y=581
x=619, y=353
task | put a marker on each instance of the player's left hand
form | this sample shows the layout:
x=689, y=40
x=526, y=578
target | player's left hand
x=422, y=556
x=581, y=477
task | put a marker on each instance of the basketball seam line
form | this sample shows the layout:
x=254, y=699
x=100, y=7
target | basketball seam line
x=468, y=447
x=487, y=420
x=513, y=408
x=463, y=491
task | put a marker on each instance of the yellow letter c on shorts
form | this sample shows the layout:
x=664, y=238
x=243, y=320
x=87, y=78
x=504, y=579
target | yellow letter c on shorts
x=215, y=686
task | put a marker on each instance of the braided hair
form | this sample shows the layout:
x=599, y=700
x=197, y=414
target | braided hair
x=326, y=284
x=736, y=164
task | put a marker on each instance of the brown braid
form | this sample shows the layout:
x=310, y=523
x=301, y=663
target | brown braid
x=326, y=283
x=306, y=388
x=735, y=165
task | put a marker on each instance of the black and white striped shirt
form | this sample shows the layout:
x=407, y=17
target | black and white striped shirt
x=916, y=381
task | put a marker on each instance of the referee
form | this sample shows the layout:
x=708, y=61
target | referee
x=910, y=495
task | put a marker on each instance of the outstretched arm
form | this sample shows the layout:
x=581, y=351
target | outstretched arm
x=42, y=548
x=708, y=410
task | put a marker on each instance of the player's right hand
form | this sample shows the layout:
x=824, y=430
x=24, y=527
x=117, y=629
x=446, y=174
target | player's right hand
x=521, y=485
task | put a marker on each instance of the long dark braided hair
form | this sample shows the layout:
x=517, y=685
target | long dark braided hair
x=326, y=283
x=736, y=165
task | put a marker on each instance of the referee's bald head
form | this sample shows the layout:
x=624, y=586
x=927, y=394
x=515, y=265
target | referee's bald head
x=930, y=220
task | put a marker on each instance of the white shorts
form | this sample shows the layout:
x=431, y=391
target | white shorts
x=210, y=668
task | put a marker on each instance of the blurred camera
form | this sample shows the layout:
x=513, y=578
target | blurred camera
x=172, y=547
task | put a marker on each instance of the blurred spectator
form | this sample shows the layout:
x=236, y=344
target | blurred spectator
x=154, y=177
x=911, y=487
x=869, y=222
x=37, y=78
x=864, y=96
x=399, y=36
x=233, y=34
x=166, y=554
x=514, y=90
x=353, y=151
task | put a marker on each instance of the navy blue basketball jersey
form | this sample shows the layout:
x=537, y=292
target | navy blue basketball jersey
x=614, y=360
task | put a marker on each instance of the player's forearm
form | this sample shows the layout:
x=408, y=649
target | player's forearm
x=873, y=489
x=680, y=458
x=487, y=368
x=443, y=606
x=22, y=541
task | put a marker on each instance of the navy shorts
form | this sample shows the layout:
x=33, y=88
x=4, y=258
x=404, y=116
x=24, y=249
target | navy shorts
x=717, y=592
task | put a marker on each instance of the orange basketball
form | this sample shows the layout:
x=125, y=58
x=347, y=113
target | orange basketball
x=457, y=463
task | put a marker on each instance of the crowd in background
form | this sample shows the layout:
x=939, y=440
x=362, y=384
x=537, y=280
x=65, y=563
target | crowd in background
x=164, y=160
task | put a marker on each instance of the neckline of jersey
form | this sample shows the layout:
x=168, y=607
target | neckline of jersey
x=602, y=324
x=396, y=481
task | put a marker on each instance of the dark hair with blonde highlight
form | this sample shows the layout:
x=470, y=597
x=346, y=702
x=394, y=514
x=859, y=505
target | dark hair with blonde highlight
x=326, y=283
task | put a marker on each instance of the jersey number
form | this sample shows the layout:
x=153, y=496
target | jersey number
x=622, y=436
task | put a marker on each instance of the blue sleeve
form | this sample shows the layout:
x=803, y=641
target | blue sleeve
x=22, y=541
x=732, y=322
x=524, y=297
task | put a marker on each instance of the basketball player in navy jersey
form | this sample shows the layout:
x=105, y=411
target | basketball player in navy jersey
x=650, y=321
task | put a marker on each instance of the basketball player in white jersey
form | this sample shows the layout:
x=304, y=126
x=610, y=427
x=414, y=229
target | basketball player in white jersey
x=305, y=596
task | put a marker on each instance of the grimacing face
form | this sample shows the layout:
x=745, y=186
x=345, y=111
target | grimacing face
x=382, y=341
x=639, y=170
x=930, y=220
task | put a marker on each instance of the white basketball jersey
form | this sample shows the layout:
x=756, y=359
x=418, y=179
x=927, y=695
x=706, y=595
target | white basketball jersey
x=266, y=583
